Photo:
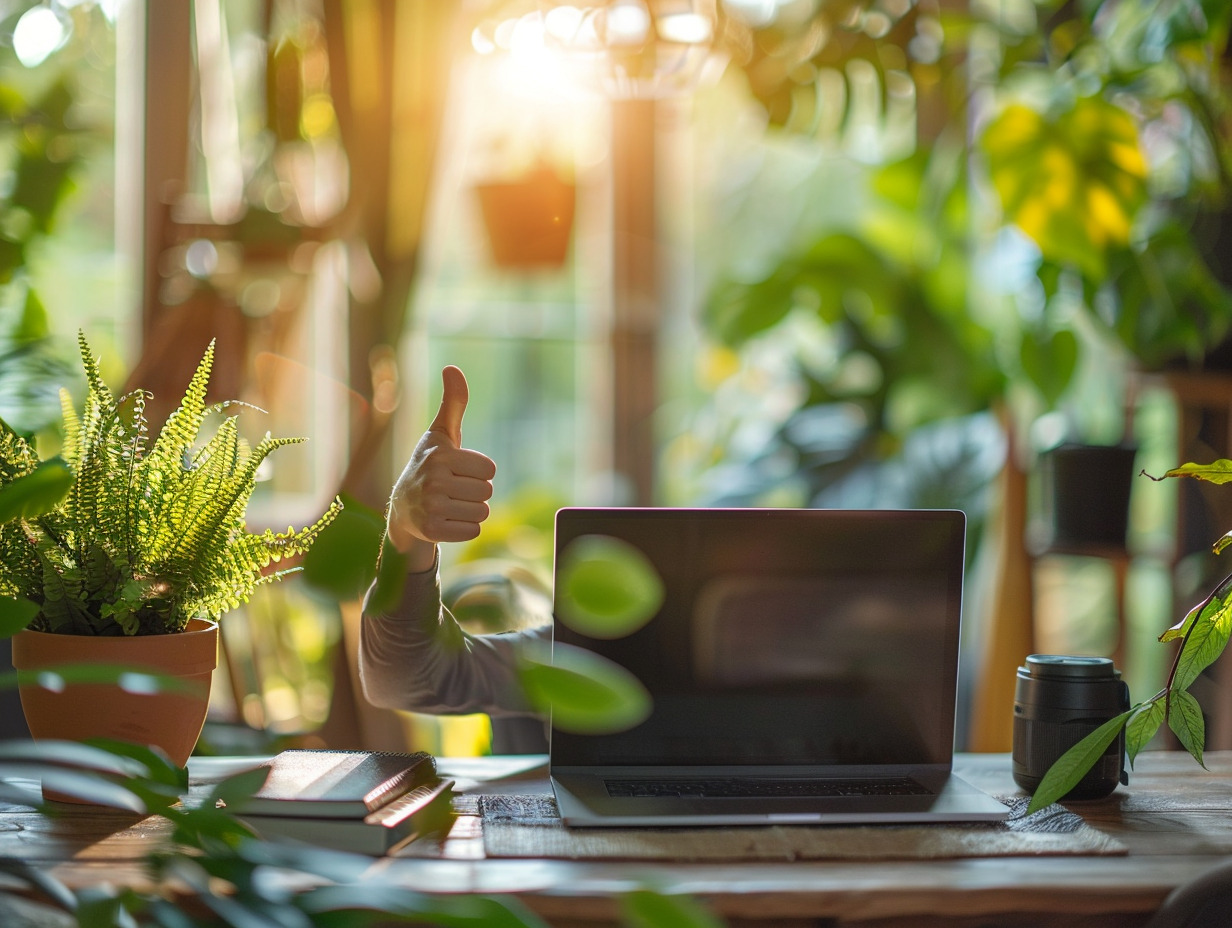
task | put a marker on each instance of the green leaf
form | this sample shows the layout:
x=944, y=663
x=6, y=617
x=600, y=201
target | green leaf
x=1216, y=472
x=1074, y=764
x=234, y=790
x=99, y=907
x=33, y=324
x=584, y=692
x=1072, y=182
x=37, y=493
x=80, y=784
x=736, y=312
x=1206, y=639
x=106, y=772
x=132, y=681
x=16, y=613
x=92, y=757
x=1143, y=724
x=158, y=767
x=1185, y=720
x=1050, y=362
x=160, y=784
x=1178, y=630
x=36, y=875
x=343, y=560
x=644, y=908
x=607, y=587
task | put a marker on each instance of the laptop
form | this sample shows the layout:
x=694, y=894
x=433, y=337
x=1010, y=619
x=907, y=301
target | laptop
x=803, y=667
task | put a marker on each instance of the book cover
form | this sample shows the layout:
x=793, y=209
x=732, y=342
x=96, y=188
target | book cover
x=425, y=810
x=338, y=784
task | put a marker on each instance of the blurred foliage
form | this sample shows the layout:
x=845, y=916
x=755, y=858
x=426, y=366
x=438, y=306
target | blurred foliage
x=522, y=530
x=33, y=365
x=783, y=57
x=231, y=875
x=46, y=153
x=48, y=135
x=1073, y=183
x=582, y=691
x=606, y=587
x=1083, y=142
x=898, y=346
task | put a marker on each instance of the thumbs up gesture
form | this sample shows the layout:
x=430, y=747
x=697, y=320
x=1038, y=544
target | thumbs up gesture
x=443, y=492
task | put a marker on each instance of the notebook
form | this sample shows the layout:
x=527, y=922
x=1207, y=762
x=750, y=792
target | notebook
x=803, y=667
x=322, y=783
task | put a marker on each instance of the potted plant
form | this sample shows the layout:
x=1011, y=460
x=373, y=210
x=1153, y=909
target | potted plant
x=528, y=217
x=124, y=552
x=1202, y=634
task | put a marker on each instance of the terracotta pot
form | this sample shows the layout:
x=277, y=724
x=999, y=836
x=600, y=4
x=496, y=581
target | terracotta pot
x=529, y=221
x=171, y=721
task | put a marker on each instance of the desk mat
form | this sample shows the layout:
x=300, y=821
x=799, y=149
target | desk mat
x=530, y=826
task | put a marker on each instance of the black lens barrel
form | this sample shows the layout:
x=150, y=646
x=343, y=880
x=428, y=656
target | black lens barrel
x=1058, y=700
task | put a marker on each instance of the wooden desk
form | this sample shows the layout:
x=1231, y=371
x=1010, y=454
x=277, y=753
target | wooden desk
x=1175, y=818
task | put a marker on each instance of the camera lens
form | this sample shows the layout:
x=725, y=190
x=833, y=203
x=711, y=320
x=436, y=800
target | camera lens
x=1058, y=701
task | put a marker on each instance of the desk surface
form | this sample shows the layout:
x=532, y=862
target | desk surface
x=1174, y=817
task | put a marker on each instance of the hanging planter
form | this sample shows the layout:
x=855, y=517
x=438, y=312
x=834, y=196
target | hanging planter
x=1085, y=493
x=529, y=219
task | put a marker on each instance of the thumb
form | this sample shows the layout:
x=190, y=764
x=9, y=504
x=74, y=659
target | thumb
x=453, y=404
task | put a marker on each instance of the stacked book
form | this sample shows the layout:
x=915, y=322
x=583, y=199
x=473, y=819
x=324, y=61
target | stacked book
x=368, y=802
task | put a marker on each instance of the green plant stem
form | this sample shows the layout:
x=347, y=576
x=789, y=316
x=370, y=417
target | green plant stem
x=53, y=535
x=1176, y=660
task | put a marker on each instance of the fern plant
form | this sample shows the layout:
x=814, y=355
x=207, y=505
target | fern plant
x=144, y=535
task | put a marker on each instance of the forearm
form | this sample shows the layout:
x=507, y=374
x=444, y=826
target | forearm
x=418, y=658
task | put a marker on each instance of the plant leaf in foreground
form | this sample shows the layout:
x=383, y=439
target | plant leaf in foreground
x=1073, y=765
x=1143, y=723
x=1185, y=720
x=584, y=692
x=607, y=587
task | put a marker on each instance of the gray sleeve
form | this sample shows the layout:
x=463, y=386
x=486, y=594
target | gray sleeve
x=418, y=658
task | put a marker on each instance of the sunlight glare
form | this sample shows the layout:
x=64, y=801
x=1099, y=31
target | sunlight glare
x=503, y=35
x=201, y=258
x=537, y=67
x=139, y=684
x=39, y=32
x=482, y=42
x=527, y=37
x=685, y=28
x=754, y=12
x=50, y=680
x=562, y=23
x=628, y=23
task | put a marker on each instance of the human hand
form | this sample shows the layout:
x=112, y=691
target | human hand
x=443, y=491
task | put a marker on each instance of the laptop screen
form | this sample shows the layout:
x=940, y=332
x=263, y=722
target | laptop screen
x=785, y=637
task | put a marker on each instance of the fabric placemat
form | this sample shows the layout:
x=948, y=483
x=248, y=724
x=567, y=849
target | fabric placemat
x=530, y=826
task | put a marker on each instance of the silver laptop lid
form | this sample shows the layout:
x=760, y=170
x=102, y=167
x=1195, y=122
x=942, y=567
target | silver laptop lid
x=818, y=638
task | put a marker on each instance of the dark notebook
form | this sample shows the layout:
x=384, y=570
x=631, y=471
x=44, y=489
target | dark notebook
x=425, y=810
x=338, y=784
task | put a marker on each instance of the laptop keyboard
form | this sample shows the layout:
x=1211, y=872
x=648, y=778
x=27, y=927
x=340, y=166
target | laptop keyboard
x=759, y=787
